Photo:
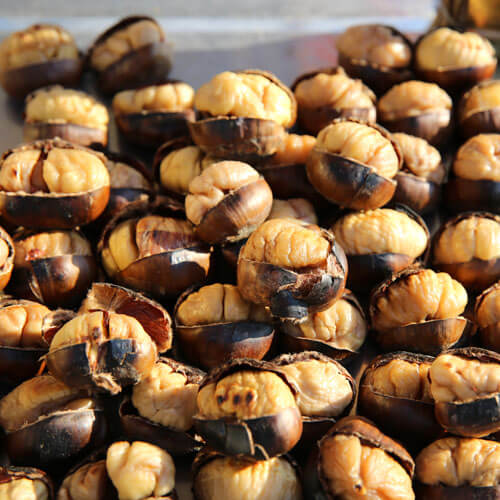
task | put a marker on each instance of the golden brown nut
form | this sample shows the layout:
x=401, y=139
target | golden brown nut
x=487, y=311
x=140, y=470
x=88, y=482
x=293, y=208
x=295, y=149
x=482, y=97
x=479, y=158
x=25, y=483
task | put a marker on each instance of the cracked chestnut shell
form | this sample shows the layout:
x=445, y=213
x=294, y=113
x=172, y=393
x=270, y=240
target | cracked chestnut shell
x=28, y=482
x=257, y=427
x=353, y=164
x=129, y=54
x=52, y=184
x=487, y=317
x=291, y=267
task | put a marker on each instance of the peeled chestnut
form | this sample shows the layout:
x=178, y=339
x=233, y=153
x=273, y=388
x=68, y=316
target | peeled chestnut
x=52, y=184
x=380, y=55
x=292, y=267
x=476, y=184
x=131, y=53
x=465, y=386
x=353, y=164
x=293, y=208
x=417, y=108
x=246, y=113
x=149, y=116
x=355, y=460
x=456, y=468
x=50, y=425
x=6, y=257
x=468, y=248
x=39, y=55
x=454, y=60
x=69, y=114
x=52, y=267
x=379, y=243
x=328, y=93
x=247, y=408
x=216, y=476
x=26, y=483
x=90, y=481
x=215, y=323
x=487, y=316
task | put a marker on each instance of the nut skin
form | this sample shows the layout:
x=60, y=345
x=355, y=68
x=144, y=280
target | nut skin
x=78, y=134
x=11, y=473
x=489, y=335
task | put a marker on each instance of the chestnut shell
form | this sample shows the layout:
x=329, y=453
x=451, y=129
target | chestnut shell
x=71, y=132
x=467, y=194
x=441, y=492
x=490, y=336
x=20, y=363
x=421, y=195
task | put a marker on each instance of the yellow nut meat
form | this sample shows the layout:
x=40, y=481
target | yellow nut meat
x=295, y=149
x=24, y=489
x=87, y=482
x=122, y=175
x=481, y=98
x=479, y=158
x=488, y=312
x=293, y=208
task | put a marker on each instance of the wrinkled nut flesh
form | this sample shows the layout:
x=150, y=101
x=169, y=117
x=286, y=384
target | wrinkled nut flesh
x=122, y=176
x=448, y=49
x=55, y=104
x=218, y=303
x=24, y=488
x=246, y=95
x=323, y=390
x=294, y=149
x=166, y=97
x=245, y=395
x=88, y=482
x=166, y=397
x=353, y=469
x=375, y=44
x=140, y=470
x=420, y=296
x=293, y=208
x=132, y=37
x=479, y=158
x=482, y=97
x=420, y=158
x=488, y=312
x=380, y=231
x=228, y=477
x=457, y=462
x=360, y=143
x=4, y=253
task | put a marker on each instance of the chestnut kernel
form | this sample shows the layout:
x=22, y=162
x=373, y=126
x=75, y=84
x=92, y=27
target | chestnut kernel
x=293, y=208
x=487, y=316
x=90, y=481
x=27, y=483
x=7, y=251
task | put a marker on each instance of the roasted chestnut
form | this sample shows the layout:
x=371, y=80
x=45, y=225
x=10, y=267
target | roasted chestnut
x=476, y=184
x=379, y=243
x=52, y=267
x=417, y=108
x=26, y=483
x=247, y=408
x=6, y=257
x=420, y=178
x=52, y=184
x=465, y=386
x=455, y=61
x=353, y=164
x=328, y=93
x=419, y=310
x=292, y=267
x=50, y=425
x=487, y=316
x=380, y=55
x=215, y=324
x=131, y=53
x=227, y=201
x=293, y=208
x=42, y=54
x=216, y=476
x=458, y=469
x=69, y=114
x=90, y=481
x=468, y=248
x=355, y=460
x=149, y=116
x=247, y=111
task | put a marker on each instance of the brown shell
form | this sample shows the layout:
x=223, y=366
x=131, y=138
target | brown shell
x=11, y=473
x=441, y=492
x=71, y=132
x=465, y=194
x=419, y=194
x=490, y=336
x=20, y=363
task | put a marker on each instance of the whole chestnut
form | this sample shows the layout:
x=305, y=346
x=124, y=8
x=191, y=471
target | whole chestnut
x=89, y=481
x=27, y=483
x=487, y=316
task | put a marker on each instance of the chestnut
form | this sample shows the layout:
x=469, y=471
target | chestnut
x=151, y=115
x=454, y=60
x=468, y=248
x=245, y=115
x=247, y=408
x=50, y=425
x=215, y=323
x=380, y=55
x=328, y=93
x=52, y=184
x=457, y=468
x=216, y=476
x=421, y=176
x=293, y=208
x=72, y=115
x=465, y=386
x=227, y=201
x=419, y=310
x=27, y=483
x=356, y=460
x=291, y=267
x=487, y=317
x=417, y=108
x=379, y=243
x=479, y=109
x=40, y=55
x=52, y=267
x=131, y=53
x=476, y=184
x=89, y=481
x=6, y=257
